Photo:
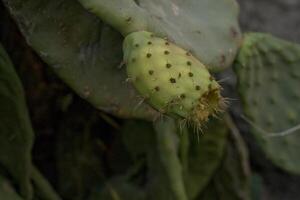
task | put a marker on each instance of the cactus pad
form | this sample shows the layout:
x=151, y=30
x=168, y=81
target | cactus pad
x=86, y=54
x=232, y=179
x=268, y=71
x=204, y=156
x=83, y=51
x=208, y=28
x=170, y=78
x=16, y=134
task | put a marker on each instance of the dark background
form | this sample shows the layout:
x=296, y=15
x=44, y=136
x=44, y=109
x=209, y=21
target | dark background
x=279, y=17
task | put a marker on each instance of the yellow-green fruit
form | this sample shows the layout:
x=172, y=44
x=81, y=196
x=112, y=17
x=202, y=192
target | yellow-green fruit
x=170, y=78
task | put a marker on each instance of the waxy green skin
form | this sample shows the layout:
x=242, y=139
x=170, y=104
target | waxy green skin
x=170, y=78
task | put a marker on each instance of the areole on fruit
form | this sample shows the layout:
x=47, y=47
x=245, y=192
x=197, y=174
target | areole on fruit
x=170, y=79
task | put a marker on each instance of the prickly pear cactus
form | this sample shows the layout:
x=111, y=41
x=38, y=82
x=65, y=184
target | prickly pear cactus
x=208, y=28
x=268, y=71
x=87, y=58
x=170, y=78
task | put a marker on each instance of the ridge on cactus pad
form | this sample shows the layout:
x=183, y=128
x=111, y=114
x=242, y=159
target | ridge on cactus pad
x=170, y=79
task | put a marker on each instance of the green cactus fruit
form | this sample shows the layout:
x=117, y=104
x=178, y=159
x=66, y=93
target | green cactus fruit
x=169, y=78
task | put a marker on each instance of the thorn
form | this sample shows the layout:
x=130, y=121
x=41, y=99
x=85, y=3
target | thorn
x=272, y=134
x=223, y=80
x=182, y=124
x=139, y=104
x=230, y=99
x=128, y=80
x=121, y=64
x=158, y=116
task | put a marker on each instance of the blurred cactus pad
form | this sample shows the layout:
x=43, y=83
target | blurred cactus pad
x=268, y=70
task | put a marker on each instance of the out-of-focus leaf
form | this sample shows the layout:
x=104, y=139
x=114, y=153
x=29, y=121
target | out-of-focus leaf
x=204, y=155
x=256, y=187
x=147, y=178
x=16, y=134
x=119, y=188
x=167, y=146
x=78, y=155
x=42, y=189
x=232, y=179
x=7, y=192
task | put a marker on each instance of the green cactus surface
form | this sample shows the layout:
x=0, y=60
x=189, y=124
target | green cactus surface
x=16, y=139
x=170, y=78
x=157, y=151
x=232, y=179
x=173, y=170
x=208, y=28
x=7, y=192
x=268, y=71
x=83, y=51
x=155, y=172
x=204, y=156
x=16, y=134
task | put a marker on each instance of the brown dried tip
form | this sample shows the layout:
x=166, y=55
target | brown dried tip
x=210, y=103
